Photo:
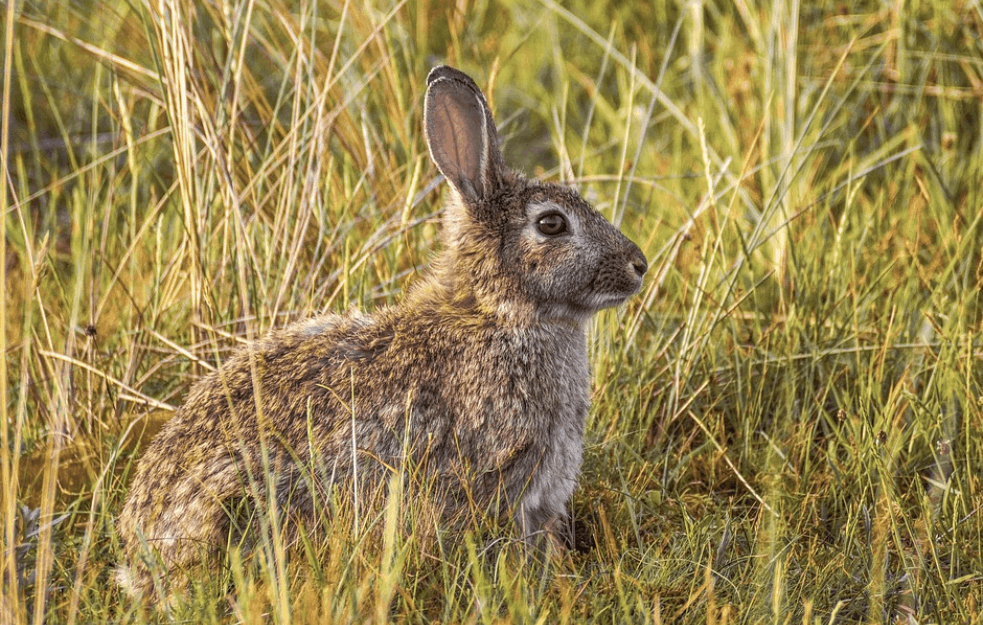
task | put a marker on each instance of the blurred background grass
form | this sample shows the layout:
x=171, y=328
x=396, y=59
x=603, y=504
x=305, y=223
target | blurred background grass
x=786, y=421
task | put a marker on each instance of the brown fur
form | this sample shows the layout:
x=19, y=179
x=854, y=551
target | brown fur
x=479, y=376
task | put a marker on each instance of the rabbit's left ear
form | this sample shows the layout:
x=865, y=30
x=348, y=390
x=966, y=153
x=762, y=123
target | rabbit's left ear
x=460, y=133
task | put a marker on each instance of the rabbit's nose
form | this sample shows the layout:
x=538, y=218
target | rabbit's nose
x=638, y=263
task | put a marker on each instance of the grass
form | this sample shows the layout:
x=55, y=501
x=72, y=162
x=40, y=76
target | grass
x=786, y=421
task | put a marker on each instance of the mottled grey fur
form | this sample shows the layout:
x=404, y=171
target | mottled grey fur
x=479, y=376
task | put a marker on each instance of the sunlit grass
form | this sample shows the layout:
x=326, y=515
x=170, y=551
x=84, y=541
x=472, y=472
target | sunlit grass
x=786, y=420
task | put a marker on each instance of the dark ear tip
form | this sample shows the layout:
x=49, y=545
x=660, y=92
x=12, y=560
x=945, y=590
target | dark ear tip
x=450, y=73
x=436, y=74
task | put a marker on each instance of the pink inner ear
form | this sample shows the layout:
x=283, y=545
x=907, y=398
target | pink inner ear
x=456, y=134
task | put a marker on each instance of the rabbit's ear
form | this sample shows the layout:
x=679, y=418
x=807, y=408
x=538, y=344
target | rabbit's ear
x=461, y=134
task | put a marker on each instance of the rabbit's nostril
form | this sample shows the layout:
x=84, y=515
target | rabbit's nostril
x=640, y=267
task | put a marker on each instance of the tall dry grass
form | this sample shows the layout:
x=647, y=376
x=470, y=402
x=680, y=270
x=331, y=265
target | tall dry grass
x=785, y=422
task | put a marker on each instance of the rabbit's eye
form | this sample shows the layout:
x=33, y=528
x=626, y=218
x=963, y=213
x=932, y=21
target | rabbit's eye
x=552, y=224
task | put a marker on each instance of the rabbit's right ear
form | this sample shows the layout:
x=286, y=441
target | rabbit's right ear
x=460, y=133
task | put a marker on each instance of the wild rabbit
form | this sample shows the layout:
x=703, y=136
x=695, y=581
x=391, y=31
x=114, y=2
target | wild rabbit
x=479, y=376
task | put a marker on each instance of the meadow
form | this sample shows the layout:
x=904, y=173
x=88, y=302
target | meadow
x=786, y=421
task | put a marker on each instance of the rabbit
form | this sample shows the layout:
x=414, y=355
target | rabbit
x=479, y=374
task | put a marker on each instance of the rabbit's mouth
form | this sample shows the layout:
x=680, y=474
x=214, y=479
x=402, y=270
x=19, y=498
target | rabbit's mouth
x=600, y=301
x=582, y=309
x=613, y=290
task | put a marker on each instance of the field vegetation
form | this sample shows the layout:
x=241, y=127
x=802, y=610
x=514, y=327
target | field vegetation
x=787, y=422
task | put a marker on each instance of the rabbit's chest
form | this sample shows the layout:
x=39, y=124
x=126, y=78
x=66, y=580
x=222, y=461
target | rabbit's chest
x=556, y=409
x=557, y=464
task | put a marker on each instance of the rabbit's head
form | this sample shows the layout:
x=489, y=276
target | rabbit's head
x=516, y=248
